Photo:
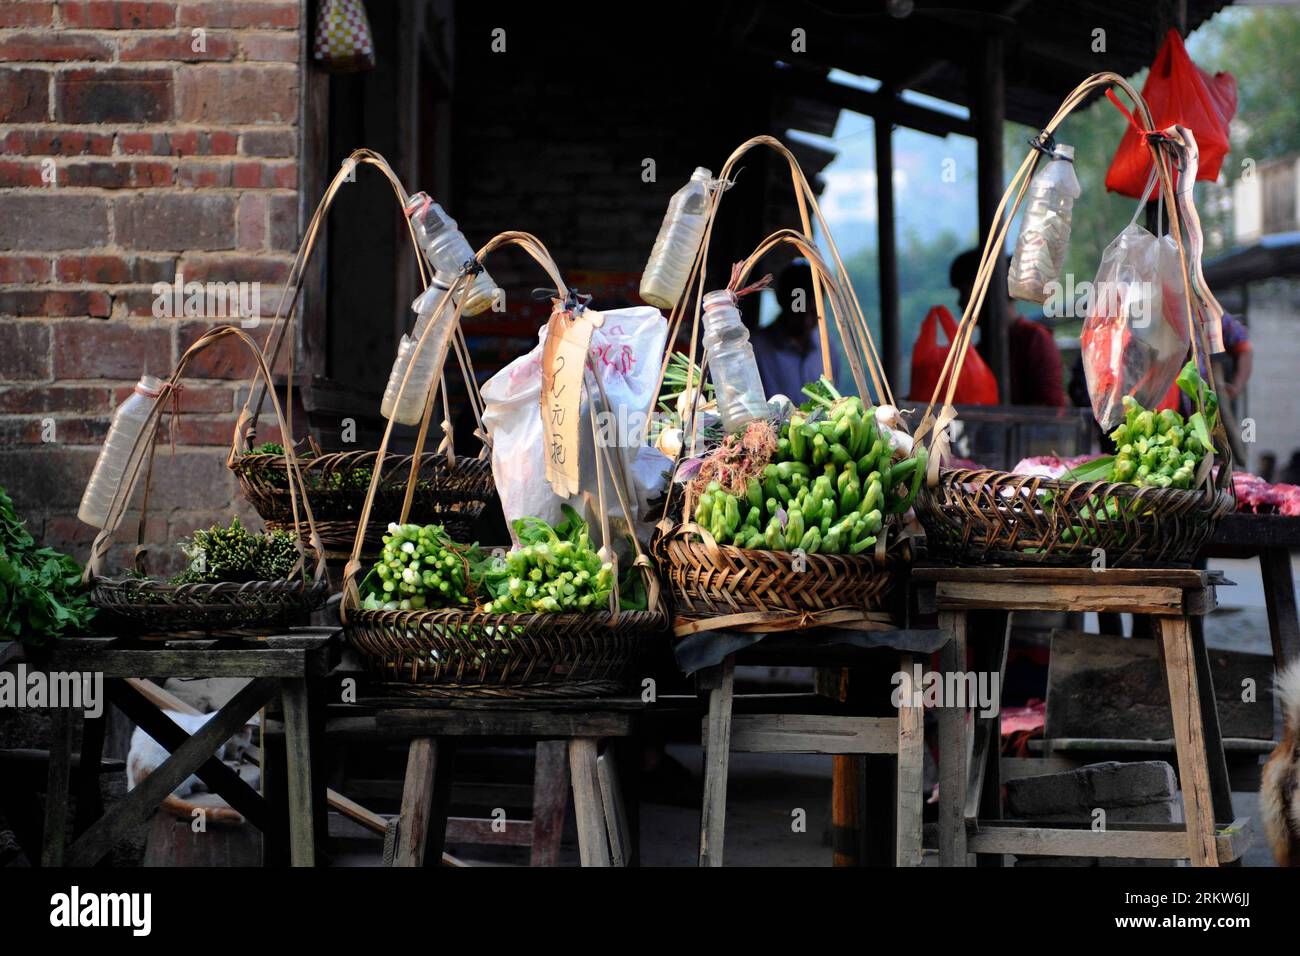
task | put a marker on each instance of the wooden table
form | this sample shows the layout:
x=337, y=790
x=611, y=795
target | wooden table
x=1270, y=539
x=1173, y=598
x=287, y=665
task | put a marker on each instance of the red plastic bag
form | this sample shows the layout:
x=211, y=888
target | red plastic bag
x=975, y=385
x=1177, y=91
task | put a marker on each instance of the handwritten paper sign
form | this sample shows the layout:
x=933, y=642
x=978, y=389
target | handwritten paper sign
x=564, y=357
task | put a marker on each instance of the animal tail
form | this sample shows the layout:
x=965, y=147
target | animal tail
x=184, y=809
x=1288, y=692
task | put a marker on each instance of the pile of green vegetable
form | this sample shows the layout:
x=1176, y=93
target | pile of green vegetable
x=1159, y=449
x=236, y=554
x=420, y=567
x=829, y=484
x=349, y=479
x=40, y=588
x=554, y=569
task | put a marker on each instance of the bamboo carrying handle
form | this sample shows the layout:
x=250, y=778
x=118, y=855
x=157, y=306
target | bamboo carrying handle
x=995, y=242
x=148, y=434
x=285, y=310
x=605, y=462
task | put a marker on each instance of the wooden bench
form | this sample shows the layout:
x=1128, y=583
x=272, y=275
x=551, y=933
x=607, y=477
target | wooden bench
x=287, y=666
x=975, y=604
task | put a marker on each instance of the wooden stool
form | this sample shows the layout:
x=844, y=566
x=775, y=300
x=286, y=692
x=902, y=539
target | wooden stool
x=287, y=665
x=576, y=731
x=969, y=788
x=901, y=736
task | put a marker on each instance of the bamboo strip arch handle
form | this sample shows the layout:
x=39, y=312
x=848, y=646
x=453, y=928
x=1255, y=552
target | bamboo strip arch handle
x=143, y=460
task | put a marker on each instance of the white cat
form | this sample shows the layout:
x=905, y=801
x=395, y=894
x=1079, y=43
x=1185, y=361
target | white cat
x=147, y=755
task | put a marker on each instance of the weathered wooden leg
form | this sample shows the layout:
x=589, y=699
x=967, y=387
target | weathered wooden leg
x=717, y=756
x=62, y=724
x=1189, y=738
x=550, y=801
x=611, y=798
x=422, y=820
x=953, y=774
x=90, y=806
x=984, y=796
x=593, y=838
x=1279, y=596
x=1220, y=786
x=297, y=747
x=911, y=761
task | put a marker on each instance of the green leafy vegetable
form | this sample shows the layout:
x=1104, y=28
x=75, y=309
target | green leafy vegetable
x=41, y=595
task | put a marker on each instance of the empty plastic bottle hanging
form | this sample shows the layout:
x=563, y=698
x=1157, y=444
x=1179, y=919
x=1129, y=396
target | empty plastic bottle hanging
x=737, y=386
x=679, y=239
x=1045, y=232
x=448, y=251
x=424, y=365
x=116, y=457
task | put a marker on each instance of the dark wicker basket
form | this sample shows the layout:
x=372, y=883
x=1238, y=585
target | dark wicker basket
x=450, y=495
x=146, y=606
x=452, y=653
x=981, y=517
x=709, y=580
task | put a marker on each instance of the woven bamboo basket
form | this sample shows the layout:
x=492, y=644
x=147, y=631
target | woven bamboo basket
x=981, y=516
x=719, y=586
x=449, y=489
x=468, y=653
x=144, y=605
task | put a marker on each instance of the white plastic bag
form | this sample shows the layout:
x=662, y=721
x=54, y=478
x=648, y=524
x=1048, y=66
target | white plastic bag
x=626, y=351
x=1135, y=338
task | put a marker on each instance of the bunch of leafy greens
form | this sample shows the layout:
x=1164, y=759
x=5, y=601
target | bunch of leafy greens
x=41, y=595
x=237, y=554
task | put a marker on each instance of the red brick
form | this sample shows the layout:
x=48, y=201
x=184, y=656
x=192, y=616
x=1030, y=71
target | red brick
x=53, y=46
x=17, y=269
x=23, y=13
x=135, y=303
x=261, y=269
x=58, y=398
x=24, y=95
x=117, y=175
x=237, y=94
x=60, y=303
x=227, y=358
x=113, y=269
x=118, y=15
x=203, y=175
x=270, y=47
x=284, y=222
x=143, y=144
x=112, y=349
x=114, y=95
x=28, y=216
x=30, y=430
x=250, y=224
x=58, y=142
x=179, y=47
x=191, y=430
x=221, y=143
x=241, y=14
x=247, y=175
x=14, y=174
x=285, y=176
x=271, y=142
x=26, y=355
x=176, y=221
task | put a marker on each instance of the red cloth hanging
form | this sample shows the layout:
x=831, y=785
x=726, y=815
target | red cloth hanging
x=975, y=385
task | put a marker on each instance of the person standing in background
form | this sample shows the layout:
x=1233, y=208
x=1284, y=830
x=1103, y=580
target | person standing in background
x=788, y=351
x=1035, y=363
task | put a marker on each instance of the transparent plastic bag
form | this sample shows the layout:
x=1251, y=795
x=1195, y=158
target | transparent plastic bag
x=1135, y=338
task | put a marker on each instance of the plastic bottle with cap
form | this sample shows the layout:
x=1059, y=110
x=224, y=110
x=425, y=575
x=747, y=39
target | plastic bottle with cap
x=737, y=386
x=409, y=409
x=679, y=240
x=448, y=250
x=116, y=457
x=1045, y=231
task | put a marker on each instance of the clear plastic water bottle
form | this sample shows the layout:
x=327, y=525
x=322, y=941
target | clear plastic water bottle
x=678, y=241
x=116, y=458
x=737, y=387
x=410, y=409
x=1045, y=231
x=448, y=250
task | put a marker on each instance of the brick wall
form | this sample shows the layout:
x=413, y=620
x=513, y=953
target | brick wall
x=137, y=140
